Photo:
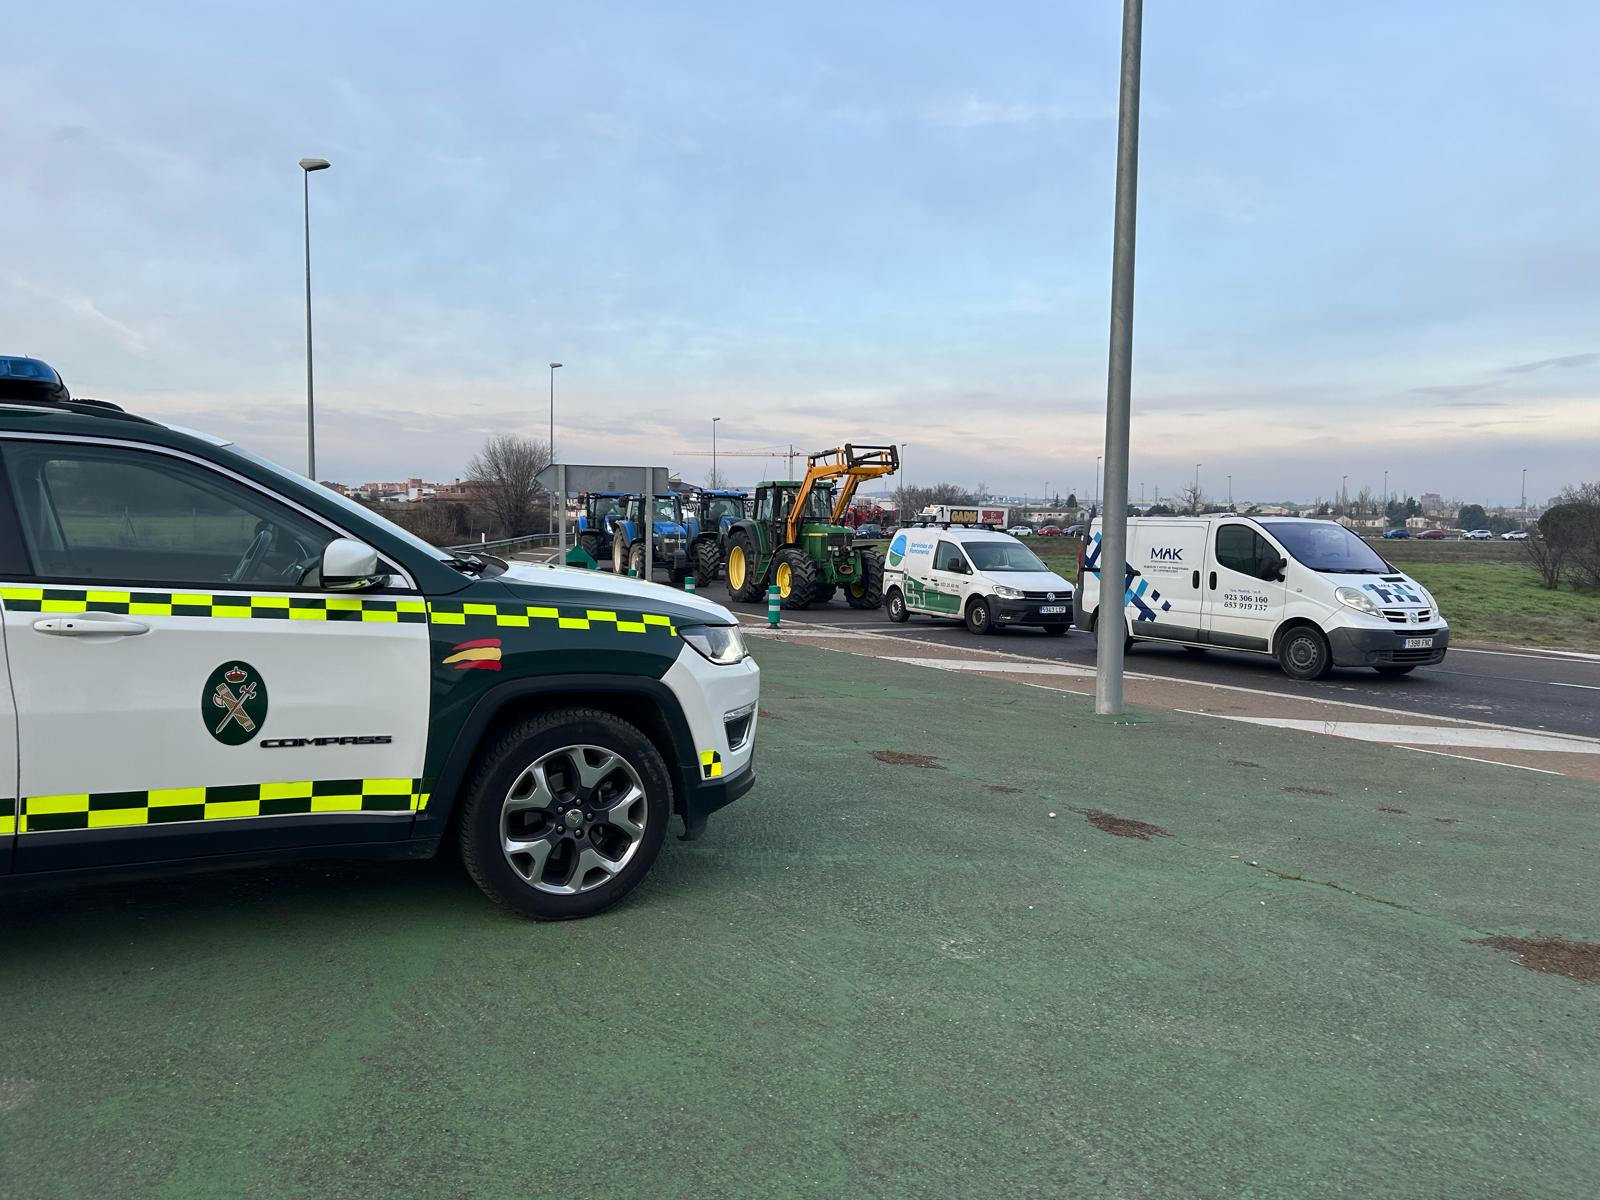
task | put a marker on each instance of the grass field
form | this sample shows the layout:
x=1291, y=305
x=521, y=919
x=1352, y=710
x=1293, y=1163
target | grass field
x=1486, y=590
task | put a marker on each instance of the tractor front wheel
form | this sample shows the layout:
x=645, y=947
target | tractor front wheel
x=796, y=577
x=636, y=559
x=591, y=543
x=743, y=585
x=867, y=591
x=619, y=555
x=707, y=562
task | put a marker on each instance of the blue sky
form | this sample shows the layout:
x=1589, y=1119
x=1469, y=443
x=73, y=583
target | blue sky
x=1368, y=233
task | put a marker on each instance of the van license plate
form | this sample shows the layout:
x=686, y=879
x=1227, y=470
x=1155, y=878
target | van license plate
x=1051, y=610
x=1419, y=643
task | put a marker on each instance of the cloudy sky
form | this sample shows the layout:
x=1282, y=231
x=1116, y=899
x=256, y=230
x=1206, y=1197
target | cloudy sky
x=1369, y=233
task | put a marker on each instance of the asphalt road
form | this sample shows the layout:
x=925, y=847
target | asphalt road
x=1525, y=688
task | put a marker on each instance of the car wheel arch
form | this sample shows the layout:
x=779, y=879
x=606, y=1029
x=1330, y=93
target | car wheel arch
x=1289, y=626
x=647, y=704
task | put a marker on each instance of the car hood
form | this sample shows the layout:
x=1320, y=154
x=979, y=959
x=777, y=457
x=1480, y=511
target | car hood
x=1030, y=581
x=1384, y=590
x=602, y=587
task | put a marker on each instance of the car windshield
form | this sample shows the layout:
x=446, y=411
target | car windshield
x=1003, y=556
x=1326, y=546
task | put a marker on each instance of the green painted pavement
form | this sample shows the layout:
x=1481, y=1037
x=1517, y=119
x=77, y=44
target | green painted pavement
x=867, y=980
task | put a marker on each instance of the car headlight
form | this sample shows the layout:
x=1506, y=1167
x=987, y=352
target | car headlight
x=1357, y=599
x=1007, y=593
x=721, y=644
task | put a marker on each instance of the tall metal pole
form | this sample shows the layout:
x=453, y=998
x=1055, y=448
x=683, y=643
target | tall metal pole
x=551, y=446
x=1119, y=379
x=311, y=417
x=1524, y=491
x=1096, y=500
x=715, y=481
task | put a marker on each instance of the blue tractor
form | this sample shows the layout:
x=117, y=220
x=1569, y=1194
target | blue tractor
x=712, y=512
x=600, y=509
x=669, y=538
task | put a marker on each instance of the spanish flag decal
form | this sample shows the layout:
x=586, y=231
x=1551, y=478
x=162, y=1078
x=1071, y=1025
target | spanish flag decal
x=480, y=655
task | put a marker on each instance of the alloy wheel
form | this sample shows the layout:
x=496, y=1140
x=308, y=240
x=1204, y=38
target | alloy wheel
x=572, y=819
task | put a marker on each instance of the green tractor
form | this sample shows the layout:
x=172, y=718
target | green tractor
x=796, y=537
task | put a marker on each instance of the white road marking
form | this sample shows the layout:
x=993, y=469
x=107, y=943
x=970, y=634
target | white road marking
x=1010, y=668
x=1493, y=762
x=1588, y=687
x=1531, y=652
x=1423, y=735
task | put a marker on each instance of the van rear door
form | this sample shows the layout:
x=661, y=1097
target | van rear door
x=1164, y=599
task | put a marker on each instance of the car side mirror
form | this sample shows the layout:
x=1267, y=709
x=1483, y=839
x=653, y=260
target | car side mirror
x=1275, y=570
x=349, y=565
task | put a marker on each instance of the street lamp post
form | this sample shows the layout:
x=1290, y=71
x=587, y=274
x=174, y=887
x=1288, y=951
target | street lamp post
x=1230, y=493
x=715, y=481
x=551, y=444
x=308, y=165
x=1524, y=492
x=1197, y=467
x=1097, y=459
x=1386, y=489
x=1344, y=495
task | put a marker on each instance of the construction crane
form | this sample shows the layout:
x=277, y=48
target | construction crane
x=790, y=452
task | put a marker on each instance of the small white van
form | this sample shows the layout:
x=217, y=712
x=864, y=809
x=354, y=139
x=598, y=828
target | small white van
x=981, y=576
x=1309, y=592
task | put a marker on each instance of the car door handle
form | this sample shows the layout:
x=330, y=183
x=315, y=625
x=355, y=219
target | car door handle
x=1213, y=581
x=91, y=624
x=1196, y=583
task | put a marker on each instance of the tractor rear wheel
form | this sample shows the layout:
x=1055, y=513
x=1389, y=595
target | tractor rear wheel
x=591, y=543
x=867, y=591
x=742, y=582
x=707, y=562
x=796, y=577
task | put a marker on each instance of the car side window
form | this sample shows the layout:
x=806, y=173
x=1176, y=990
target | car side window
x=950, y=558
x=107, y=514
x=1242, y=549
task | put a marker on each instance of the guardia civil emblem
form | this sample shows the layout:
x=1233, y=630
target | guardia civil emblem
x=234, y=703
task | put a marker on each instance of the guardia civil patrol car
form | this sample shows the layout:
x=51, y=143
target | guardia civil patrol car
x=212, y=659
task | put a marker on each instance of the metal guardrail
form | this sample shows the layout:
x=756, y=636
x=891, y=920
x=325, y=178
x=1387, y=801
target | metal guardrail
x=503, y=542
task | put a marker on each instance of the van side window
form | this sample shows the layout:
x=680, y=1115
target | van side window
x=1242, y=549
x=950, y=558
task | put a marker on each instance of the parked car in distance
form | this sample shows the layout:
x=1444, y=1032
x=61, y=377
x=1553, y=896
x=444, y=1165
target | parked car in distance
x=1397, y=533
x=1047, y=531
x=1020, y=531
x=1432, y=535
x=871, y=531
x=1077, y=531
x=1479, y=535
x=1516, y=535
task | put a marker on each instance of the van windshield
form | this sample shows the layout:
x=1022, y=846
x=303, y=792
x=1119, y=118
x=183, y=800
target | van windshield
x=1002, y=556
x=1327, y=546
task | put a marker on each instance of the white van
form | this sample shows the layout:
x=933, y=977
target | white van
x=1309, y=592
x=981, y=576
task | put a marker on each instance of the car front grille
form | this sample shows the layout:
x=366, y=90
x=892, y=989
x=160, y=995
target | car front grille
x=1403, y=616
x=1060, y=597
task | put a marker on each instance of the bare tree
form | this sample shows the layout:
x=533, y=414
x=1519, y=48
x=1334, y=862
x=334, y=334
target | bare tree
x=509, y=466
x=1190, y=500
x=716, y=478
x=912, y=500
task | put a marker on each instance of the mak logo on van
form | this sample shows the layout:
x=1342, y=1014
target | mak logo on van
x=1169, y=553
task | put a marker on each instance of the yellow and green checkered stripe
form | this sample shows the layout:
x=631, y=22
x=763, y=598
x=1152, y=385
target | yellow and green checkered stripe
x=463, y=612
x=160, y=806
x=269, y=607
x=710, y=764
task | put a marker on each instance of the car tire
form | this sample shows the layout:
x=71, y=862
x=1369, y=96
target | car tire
x=568, y=847
x=980, y=617
x=895, y=605
x=743, y=583
x=1303, y=653
x=1396, y=668
x=796, y=577
x=707, y=562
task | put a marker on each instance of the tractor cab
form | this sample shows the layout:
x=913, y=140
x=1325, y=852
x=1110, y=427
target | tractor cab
x=600, y=510
x=669, y=537
x=712, y=513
